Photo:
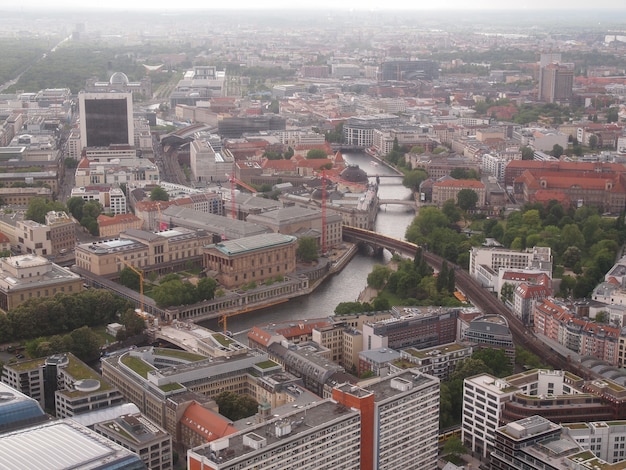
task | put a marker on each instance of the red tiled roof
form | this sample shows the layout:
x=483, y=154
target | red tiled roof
x=301, y=328
x=206, y=422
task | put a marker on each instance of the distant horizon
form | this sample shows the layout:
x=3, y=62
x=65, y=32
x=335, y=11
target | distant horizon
x=243, y=6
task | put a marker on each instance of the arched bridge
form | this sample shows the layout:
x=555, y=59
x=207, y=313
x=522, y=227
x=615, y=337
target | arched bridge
x=475, y=293
x=403, y=202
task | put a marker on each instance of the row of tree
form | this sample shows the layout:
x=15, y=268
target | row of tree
x=60, y=314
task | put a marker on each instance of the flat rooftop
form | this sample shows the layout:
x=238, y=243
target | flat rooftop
x=301, y=421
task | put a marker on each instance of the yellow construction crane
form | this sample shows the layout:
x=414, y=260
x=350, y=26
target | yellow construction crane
x=139, y=272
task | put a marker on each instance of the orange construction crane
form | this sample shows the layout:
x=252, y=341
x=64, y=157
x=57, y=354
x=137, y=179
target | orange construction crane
x=139, y=272
x=234, y=181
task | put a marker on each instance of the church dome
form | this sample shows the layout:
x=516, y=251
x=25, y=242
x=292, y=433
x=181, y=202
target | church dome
x=119, y=78
x=354, y=174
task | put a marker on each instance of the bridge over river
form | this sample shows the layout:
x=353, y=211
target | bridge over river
x=475, y=293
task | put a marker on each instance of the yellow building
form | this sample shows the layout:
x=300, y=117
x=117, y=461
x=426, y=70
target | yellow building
x=163, y=251
x=251, y=259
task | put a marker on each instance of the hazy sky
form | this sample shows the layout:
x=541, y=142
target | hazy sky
x=322, y=4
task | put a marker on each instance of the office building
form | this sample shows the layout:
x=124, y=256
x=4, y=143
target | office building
x=137, y=434
x=485, y=262
x=389, y=424
x=556, y=83
x=419, y=327
x=106, y=119
x=491, y=332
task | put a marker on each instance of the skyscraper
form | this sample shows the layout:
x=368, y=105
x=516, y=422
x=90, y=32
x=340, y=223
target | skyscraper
x=556, y=80
x=106, y=119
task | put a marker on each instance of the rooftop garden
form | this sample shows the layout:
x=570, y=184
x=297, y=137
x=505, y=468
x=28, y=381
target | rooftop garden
x=223, y=340
x=170, y=387
x=178, y=354
x=138, y=365
x=266, y=364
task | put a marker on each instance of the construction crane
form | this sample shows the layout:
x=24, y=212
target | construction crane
x=139, y=272
x=234, y=181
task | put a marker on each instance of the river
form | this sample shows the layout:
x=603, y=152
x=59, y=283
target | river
x=345, y=286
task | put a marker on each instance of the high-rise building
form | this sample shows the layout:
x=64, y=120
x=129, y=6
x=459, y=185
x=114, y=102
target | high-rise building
x=555, y=83
x=106, y=119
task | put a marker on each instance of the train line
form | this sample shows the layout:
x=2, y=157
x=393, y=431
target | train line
x=486, y=301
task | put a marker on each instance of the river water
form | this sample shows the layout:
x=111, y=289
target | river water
x=345, y=286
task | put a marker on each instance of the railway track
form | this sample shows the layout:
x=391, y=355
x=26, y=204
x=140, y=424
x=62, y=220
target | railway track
x=486, y=301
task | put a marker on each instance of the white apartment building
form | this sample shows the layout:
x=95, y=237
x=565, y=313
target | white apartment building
x=494, y=165
x=492, y=259
x=359, y=130
x=483, y=400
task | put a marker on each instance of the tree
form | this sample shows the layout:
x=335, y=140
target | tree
x=235, y=406
x=527, y=153
x=205, y=289
x=379, y=276
x=159, y=194
x=130, y=278
x=133, y=323
x=506, y=293
x=413, y=179
x=612, y=115
x=454, y=448
x=496, y=360
x=75, y=206
x=467, y=199
x=557, y=150
x=85, y=344
x=593, y=141
x=307, y=249
x=316, y=154
x=38, y=207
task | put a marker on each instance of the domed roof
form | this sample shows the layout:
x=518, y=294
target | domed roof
x=119, y=78
x=354, y=174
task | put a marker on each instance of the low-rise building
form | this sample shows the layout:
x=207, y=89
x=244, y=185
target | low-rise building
x=251, y=259
x=26, y=277
x=137, y=434
x=112, y=226
x=148, y=251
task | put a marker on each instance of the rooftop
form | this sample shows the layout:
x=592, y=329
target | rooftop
x=61, y=445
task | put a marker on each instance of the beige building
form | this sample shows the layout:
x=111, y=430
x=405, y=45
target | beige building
x=251, y=259
x=56, y=236
x=449, y=189
x=26, y=277
x=163, y=251
x=62, y=232
x=110, y=227
x=22, y=196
